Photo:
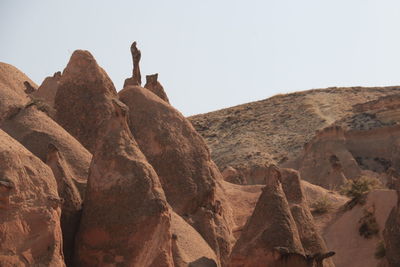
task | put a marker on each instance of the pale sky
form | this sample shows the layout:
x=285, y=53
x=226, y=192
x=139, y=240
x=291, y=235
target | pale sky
x=212, y=54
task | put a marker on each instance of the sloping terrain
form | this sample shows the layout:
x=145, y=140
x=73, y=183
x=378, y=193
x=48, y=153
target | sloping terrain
x=275, y=130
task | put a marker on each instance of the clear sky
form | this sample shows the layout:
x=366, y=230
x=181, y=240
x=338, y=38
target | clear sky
x=212, y=54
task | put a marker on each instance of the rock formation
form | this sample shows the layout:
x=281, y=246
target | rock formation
x=136, y=78
x=189, y=248
x=125, y=219
x=48, y=89
x=270, y=237
x=182, y=161
x=311, y=240
x=80, y=99
x=392, y=233
x=72, y=203
x=36, y=131
x=155, y=86
x=326, y=161
x=12, y=90
x=30, y=230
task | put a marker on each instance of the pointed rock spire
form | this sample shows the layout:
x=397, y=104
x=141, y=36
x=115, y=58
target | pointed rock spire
x=136, y=78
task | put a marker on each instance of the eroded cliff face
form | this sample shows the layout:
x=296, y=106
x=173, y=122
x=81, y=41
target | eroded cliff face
x=126, y=219
x=182, y=161
x=30, y=229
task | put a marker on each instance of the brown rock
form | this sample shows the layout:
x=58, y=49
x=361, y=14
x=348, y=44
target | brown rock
x=136, y=78
x=72, y=203
x=12, y=95
x=189, y=248
x=310, y=238
x=80, y=99
x=182, y=161
x=36, y=131
x=391, y=233
x=155, y=86
x=270, y=237
x=29, y=89
x=125, y=219
x=326, y=161
x=48, y=89
x=30, y=230
x=342, y=232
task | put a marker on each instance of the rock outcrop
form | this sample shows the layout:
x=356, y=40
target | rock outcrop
x=155, y=86
x=188, y=247
x=326, y=161
x=36, y=131
x=342, y=233
x=270, y=237
x=182, y=161
x=30, y=230
x=72, y=203
x=48, y=89
x=80, y=100
x=136, y=78
x=12, y=90
x=392, y=233
x=126, y=219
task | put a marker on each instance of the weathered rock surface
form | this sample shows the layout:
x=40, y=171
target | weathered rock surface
x=326, y=161
x=155, y=86
x=270, y=237
x=182, y=161
x=36, y=131
x=189, y=248
x=310, y=238
x=136, y=78
x=48, y=89
x=72, y=202
x=30, y=230
x=342, y=232
x=392, y=233
x=12, y=90
x=80, y=100
x=125, y=219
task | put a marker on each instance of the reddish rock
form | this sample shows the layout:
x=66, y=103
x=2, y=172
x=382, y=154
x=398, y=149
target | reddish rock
x=48, y=89
x=310, y=238
x=72, y=203
x=392, y=233
x=126, y=219
x=36, y=131
x=270, y=237
x=80, y=100
x=326, y=160
x=155, y=86
x=136, y=78
x=30, y=230
x=182, y=161
x=12, y=90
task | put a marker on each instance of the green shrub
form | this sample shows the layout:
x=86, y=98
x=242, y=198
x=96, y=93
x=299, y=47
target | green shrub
x=321, y=205
x=380, y=251
x=368, y=225
x=358, y=189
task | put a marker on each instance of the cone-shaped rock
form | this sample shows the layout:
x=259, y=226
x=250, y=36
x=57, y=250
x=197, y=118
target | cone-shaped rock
x=125, y=219
x=311, y=240
x=36, y=131
x=155, y=86
x=80, y=100
x=72, y=202
x=182, y=161
x=270, y=237
x=30, y=230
